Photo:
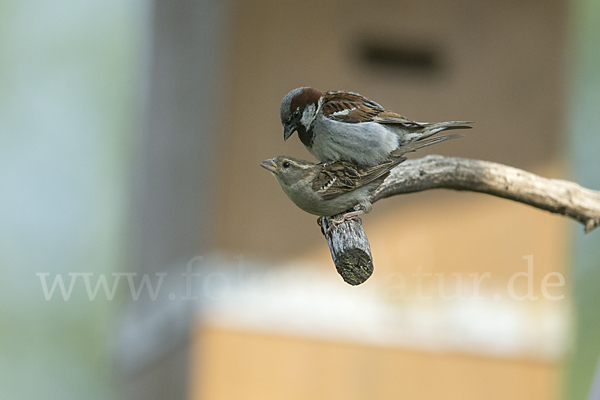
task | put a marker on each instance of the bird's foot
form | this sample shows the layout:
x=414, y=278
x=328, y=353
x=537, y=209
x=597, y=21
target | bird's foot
x=353, y=215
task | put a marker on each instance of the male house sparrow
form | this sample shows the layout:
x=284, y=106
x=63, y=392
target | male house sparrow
x=335, y=187
x=349, y=127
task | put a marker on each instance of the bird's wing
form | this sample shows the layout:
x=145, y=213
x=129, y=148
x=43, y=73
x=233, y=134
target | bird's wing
x=341, y=177
x=353, y=108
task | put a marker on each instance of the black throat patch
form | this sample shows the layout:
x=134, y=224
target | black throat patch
x=306, y=137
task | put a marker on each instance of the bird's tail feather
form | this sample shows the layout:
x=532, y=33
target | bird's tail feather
x=435, y=127
x=414, y=146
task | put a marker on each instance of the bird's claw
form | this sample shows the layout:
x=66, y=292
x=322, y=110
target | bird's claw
x=349, y=216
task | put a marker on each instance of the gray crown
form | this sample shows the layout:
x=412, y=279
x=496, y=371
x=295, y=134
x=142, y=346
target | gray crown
x=284, y=111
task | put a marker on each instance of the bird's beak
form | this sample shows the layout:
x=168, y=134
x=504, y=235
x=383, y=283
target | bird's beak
x=269, y=165
x=288, y=130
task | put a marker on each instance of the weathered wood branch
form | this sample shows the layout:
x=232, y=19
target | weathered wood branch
x=350, y=250
x=437, y=172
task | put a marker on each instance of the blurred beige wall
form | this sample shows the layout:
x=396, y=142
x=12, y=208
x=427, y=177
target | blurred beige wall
x=277, y=367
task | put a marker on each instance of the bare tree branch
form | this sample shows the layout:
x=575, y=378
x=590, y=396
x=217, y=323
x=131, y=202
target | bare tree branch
x=437, y=172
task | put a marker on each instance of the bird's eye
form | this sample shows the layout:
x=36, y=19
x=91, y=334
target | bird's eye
x=297, y=113
x=285, y=164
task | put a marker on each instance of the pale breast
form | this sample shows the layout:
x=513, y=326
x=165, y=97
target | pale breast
x=312, y=203
x=366, y=143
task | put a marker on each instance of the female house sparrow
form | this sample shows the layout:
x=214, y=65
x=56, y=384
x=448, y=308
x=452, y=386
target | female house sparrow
x=347, y=126
x=335, y=187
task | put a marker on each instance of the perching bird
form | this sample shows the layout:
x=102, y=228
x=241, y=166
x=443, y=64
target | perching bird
x=335, y=187
x=349, y=127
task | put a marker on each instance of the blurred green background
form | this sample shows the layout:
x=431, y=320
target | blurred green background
x=584, y=130
x=69, y=100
